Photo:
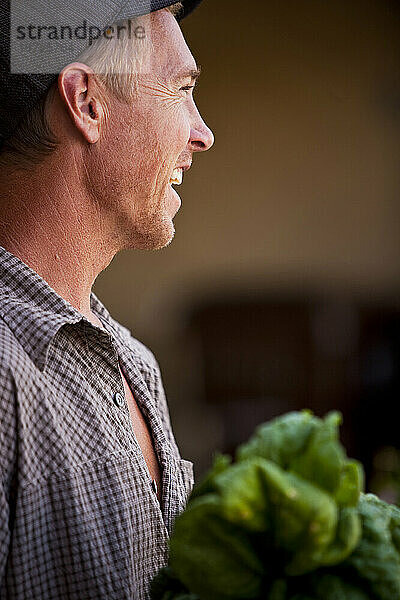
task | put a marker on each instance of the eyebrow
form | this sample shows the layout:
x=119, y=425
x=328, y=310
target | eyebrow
x=194, y=74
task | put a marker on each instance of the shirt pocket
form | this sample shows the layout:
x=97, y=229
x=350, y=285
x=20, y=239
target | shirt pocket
x=91, y=532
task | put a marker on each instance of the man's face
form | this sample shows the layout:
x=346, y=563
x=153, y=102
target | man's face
x=146, y=140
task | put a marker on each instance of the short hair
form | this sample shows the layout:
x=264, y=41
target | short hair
x=115, y=65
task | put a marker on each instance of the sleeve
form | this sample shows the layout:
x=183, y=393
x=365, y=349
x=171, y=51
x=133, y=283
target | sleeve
x=8, y=447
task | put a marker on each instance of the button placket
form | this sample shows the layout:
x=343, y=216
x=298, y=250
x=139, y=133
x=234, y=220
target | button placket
x=120, y=406
x=115, y=393
x=120, y=401
x=117, y=408
x=142, y=395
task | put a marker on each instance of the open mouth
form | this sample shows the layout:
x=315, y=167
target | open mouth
x=177, y=177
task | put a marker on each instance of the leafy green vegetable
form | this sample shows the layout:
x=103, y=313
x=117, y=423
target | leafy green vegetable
x=285, y=521
x=300, y=519
x=309, y=447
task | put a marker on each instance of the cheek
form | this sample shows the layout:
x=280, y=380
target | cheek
x=174, y=129
x=182, y=128
x=142, y=151
x=165, y=144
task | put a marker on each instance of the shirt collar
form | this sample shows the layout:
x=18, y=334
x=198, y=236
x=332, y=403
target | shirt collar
x=32, y=309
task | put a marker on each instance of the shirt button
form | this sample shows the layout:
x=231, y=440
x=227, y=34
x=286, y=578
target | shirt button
x=119, y=400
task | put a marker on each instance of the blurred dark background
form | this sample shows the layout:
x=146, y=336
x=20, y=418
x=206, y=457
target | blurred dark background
x=281, y=288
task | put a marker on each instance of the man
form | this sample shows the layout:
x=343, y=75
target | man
x=91, y=477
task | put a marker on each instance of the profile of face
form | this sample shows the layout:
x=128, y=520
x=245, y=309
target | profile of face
x=146, y=145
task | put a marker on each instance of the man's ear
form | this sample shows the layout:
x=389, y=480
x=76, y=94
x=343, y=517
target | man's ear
x=80, y=93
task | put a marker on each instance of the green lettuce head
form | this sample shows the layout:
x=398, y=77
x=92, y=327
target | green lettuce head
x=285, y=507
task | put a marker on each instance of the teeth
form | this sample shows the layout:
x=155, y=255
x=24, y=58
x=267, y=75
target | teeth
x=177, y=177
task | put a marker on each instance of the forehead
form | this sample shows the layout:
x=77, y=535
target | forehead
x=171, y=55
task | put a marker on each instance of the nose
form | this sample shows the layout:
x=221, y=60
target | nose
x=201, y=136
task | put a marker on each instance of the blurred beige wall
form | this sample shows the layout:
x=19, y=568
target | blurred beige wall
x=300, y=191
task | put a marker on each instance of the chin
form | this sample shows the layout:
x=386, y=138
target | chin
x=162, y=233
x=153, y=231
x=163, y=240
x=156, y=236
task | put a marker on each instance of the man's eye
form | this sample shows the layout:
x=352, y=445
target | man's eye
x=187, y=88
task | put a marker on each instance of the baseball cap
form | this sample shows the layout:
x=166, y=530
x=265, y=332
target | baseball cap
x=25, y=76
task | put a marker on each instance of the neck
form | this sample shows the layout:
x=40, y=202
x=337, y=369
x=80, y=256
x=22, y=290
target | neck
x=51, y=223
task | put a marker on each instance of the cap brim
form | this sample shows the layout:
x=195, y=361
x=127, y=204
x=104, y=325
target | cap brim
x=134, y=8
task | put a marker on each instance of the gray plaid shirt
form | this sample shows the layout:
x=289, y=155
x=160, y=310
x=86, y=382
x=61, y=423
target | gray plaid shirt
x=78, y=516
